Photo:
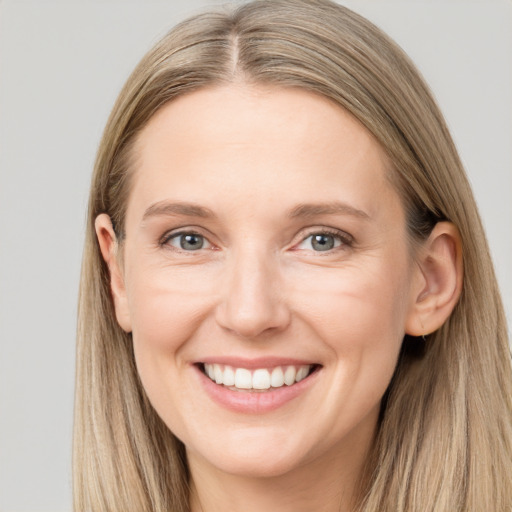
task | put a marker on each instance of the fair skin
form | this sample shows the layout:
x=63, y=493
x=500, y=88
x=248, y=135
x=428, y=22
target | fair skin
x=262, y=233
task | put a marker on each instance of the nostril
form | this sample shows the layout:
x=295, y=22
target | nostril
x=253, y=324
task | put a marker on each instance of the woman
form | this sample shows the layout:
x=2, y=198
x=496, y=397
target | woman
x=287, y=299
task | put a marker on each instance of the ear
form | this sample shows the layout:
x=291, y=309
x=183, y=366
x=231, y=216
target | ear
x=439, y=280
x=109, y=250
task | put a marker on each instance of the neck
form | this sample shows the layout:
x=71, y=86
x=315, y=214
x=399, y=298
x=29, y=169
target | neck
x=328, y=483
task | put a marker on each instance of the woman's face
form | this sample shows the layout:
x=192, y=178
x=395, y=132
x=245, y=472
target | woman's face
x=265, y=246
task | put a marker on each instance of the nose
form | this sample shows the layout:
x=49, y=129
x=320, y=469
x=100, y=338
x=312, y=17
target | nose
x=252, y=302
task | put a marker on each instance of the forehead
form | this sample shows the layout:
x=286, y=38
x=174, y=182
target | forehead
x=253, y=142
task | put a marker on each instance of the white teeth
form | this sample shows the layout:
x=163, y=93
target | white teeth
x=289, y=375
x=260, y=379
x=243, y=379
x=302, y=373
x=277, y=377
x=229, y=376
x=217, y=374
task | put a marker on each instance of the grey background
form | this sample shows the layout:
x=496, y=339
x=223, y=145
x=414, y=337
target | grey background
x=61, y=67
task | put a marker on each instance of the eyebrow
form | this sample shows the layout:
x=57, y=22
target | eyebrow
x=164, y=208
x=331, y=208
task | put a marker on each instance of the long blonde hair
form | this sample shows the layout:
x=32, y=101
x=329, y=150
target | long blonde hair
x=445, y=433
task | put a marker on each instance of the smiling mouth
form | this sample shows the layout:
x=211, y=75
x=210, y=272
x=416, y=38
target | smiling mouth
x=261, y=379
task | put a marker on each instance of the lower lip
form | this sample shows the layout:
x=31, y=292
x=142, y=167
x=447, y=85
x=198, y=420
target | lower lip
x=254, y=402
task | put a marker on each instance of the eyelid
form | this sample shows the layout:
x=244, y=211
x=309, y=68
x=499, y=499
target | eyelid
x=347, y=240
x=174, y=233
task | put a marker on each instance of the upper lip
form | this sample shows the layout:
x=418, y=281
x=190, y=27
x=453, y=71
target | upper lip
x=255, y=363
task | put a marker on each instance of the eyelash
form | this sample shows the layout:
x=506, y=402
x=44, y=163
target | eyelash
x=164, y=241
x=345, y=240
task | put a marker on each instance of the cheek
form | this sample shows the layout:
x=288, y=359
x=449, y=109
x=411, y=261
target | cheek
x=166, y=304
x=166, y=309
x=356, y=307
x=360, y=316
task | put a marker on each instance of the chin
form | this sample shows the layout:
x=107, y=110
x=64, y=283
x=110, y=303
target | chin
x=251, y=458
x=257, y=466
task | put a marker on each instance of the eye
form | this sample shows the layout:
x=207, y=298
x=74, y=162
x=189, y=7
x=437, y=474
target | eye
x=321, y=242
x=188, y=241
